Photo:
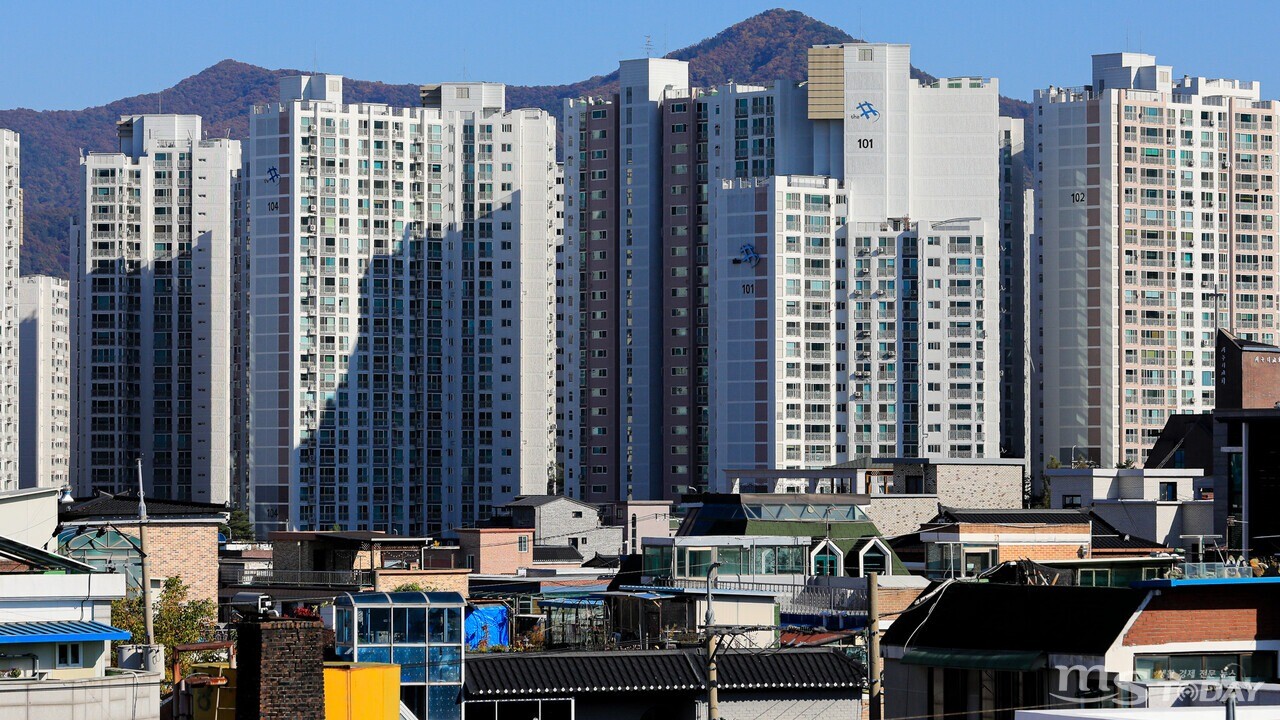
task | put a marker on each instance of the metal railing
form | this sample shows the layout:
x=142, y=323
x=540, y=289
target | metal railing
x=326, y=578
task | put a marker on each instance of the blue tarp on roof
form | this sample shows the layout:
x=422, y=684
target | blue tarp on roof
x=487, y=624
x=58, y=631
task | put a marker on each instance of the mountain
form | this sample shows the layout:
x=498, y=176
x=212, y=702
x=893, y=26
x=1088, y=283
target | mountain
x=768, y=46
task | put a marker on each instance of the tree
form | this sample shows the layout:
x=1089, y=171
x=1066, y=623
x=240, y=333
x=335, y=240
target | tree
x=238, y=527
x=1054, y=463
x=176, y=620
x=412, y=587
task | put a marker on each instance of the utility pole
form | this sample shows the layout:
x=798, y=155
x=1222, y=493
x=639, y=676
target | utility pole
x=873, y=645
x=146, y=563
x=713, y=642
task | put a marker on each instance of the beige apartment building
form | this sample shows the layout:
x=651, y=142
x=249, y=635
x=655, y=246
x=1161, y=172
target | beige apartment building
x=1155, y=225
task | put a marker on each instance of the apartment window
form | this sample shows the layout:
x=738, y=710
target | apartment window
x=1070, y=501
x=1168, y=491
x=69, y=655
x=522, y=544
x=462, y=93
x=865, y=55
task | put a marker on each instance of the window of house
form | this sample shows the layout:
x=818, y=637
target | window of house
x=69, y=655
x=1070, y=501
x=1168, y=491
x=522, y=545
x=577, y=514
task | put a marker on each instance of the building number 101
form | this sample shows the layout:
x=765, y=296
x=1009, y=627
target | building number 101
x=865, y=143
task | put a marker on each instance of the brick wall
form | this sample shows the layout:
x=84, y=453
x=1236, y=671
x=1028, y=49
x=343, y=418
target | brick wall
x=280, y=670
x=454, y=580
x=185, y=550
x=495, y=551
x=895, y=600
x=1204, y=614
x=1039, y=552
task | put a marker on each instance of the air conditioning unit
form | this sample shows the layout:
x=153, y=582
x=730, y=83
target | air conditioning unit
x=312, y=208
x=311, y=228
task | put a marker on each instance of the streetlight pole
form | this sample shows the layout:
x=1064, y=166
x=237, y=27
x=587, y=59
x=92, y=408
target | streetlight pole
x=146, y=563
x=713, y=640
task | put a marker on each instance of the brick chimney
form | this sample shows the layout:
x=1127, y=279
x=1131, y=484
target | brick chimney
x=281, y=670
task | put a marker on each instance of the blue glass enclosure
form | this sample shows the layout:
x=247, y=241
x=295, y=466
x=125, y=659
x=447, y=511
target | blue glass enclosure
x=419, y=631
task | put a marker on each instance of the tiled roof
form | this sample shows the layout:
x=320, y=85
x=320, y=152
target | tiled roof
x=106, y=505
x=1107, y=537
x=1018, y=516
x=556, y=553
x=683, y=670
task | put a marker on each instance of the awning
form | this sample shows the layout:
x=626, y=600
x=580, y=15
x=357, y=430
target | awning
x=58, y=631
x=1021, y=660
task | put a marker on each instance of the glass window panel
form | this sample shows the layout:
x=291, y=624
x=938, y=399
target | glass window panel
x=445, y=625
x=342, y=619
x=442, y=701
x=410, y=625
x=413, y=664
x=373, y=654
x=731, y=561
x=444, y=664
x=765, y=560
x=375, y=626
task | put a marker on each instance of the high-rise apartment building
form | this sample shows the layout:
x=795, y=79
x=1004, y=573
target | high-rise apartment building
x=152, y=326
x=1155, y=225
x=1016, y=217
x=10, y=246
x=403, y=308
x=634, y=417
x=855, y=312
x=44, y=341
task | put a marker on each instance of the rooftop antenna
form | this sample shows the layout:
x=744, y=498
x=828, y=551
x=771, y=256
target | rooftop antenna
x=464, y=64
x=861, y=35
x=648, y=45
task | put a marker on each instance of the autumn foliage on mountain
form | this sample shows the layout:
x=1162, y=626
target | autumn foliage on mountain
x=766, y=47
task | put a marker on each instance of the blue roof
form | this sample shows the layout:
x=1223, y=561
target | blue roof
x=400, y=598
x=58, y=631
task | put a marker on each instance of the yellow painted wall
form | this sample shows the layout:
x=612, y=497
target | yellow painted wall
x=352, y=691
x=361, y=691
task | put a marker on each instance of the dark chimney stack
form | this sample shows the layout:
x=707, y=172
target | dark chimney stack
x=281, y=670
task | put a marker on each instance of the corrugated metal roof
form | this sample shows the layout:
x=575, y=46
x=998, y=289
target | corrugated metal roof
x=682, y=670
x=58, y=631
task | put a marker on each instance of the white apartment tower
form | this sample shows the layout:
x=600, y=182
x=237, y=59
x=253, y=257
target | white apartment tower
x=402, y=338
x=1155, y=221
x=152, y=326
x=10, y=246
x=856, y=312
x=44, y=321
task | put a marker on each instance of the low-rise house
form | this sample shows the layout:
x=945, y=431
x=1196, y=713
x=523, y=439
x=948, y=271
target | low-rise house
x=1166, y=505
x=667, y=684
x=965, y=542
x=986, y=649
x=557, y=520
x=313, y=565
x=813, y=552
x=180, y=539
x=55, y=641
x=901, y=493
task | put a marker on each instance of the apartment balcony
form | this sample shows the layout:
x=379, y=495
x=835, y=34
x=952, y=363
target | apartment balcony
x=296, y=578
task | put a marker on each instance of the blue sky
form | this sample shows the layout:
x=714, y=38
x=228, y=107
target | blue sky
x=69, y=55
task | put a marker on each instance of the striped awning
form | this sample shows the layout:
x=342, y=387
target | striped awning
x=58, y=631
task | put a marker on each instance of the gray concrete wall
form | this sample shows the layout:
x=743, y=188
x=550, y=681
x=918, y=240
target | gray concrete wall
x=127, y=696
